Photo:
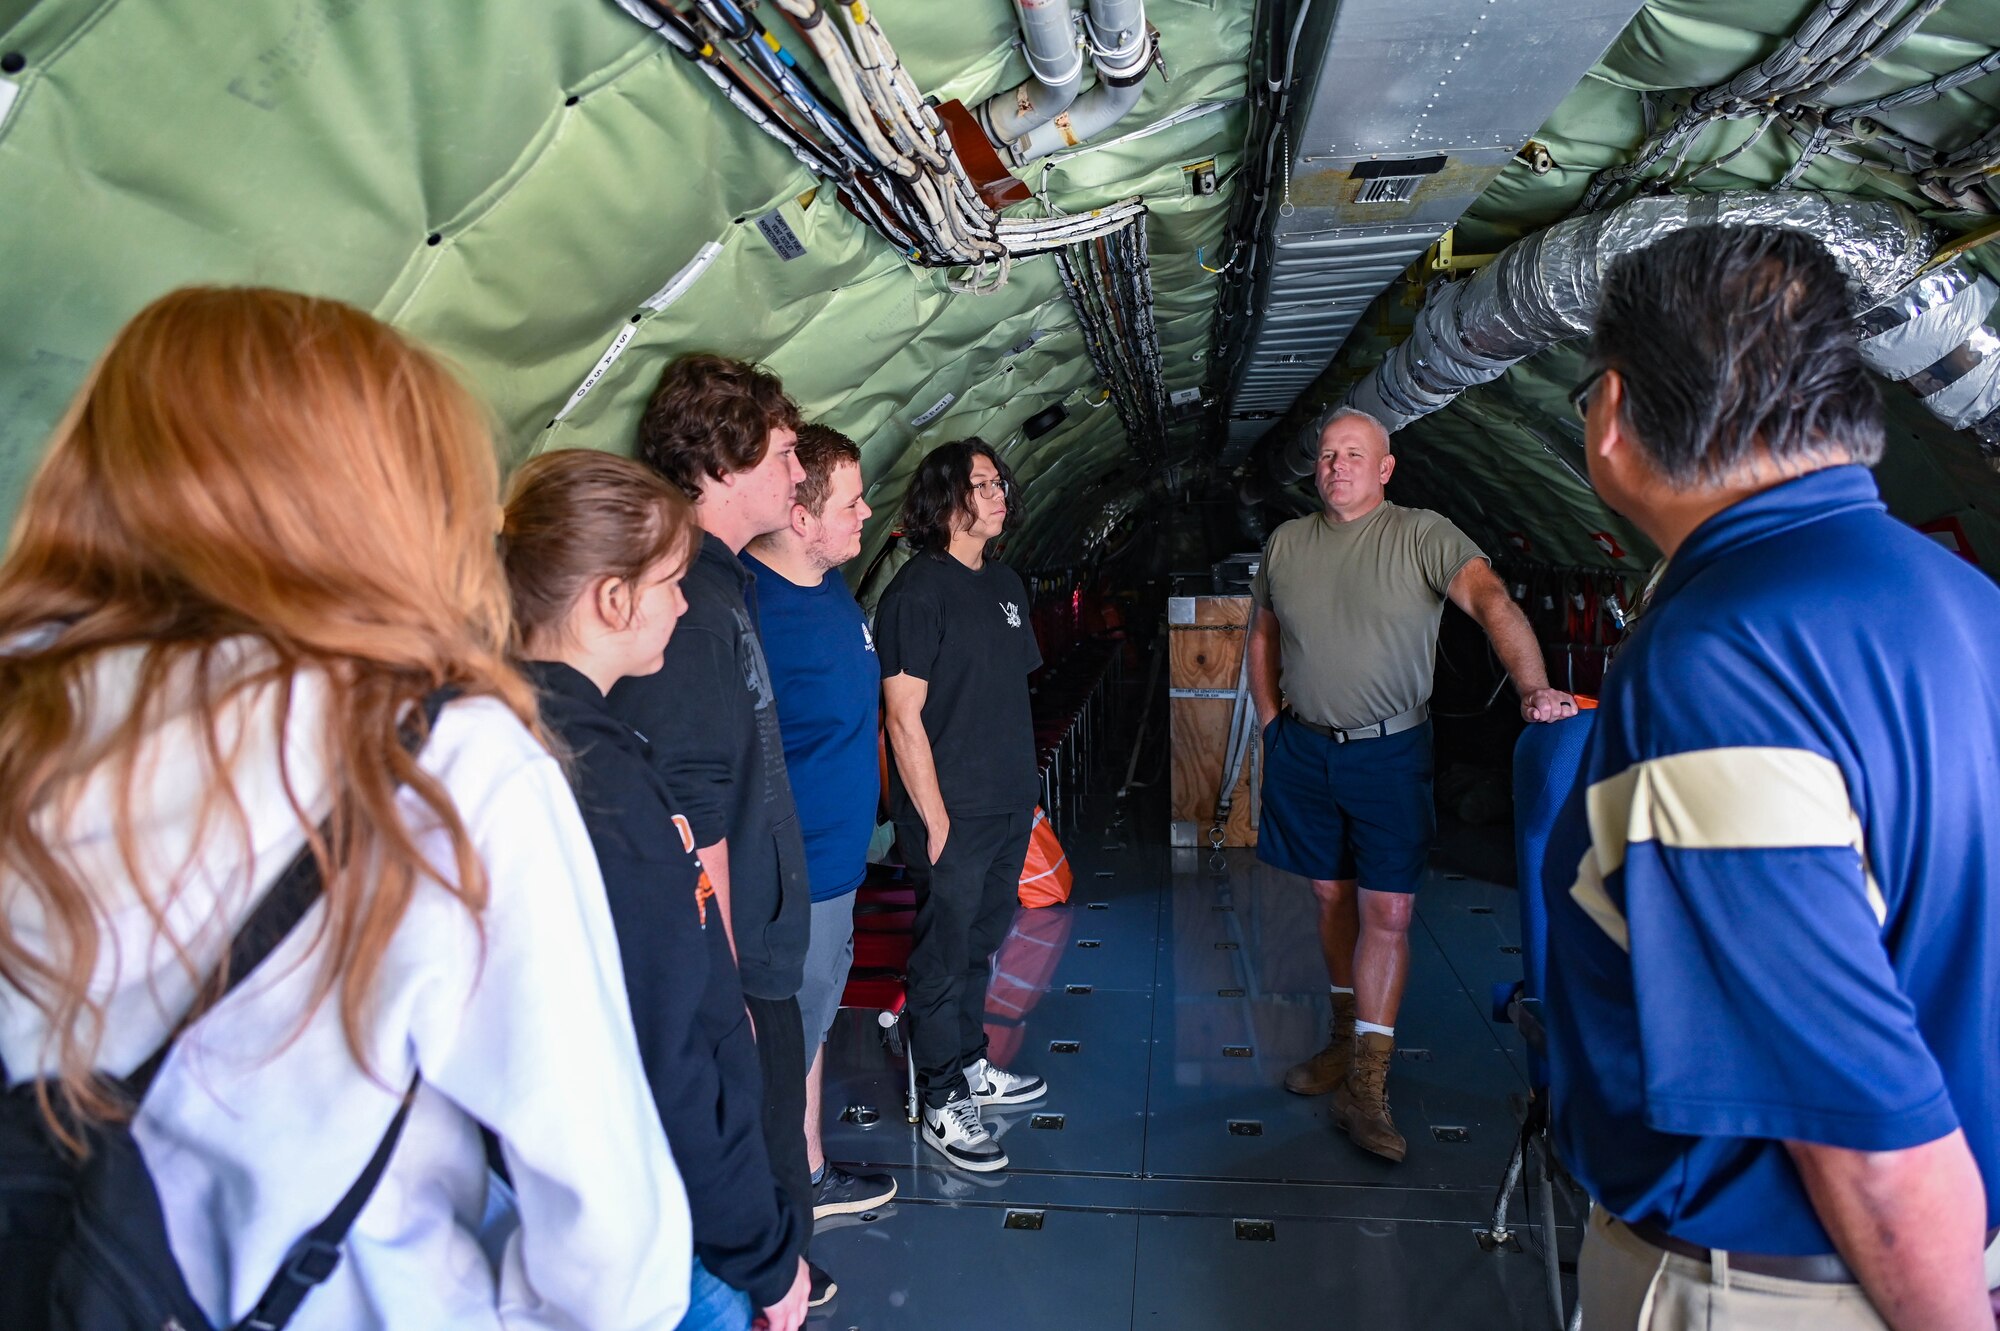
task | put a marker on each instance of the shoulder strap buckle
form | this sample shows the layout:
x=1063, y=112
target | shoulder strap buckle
x=311, y=1261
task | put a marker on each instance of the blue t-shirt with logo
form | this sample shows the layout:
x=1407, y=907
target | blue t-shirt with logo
x=823, y=669
x=1774, y=896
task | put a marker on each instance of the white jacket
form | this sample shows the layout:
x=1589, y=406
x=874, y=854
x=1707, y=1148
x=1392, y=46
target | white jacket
x=257, y=1124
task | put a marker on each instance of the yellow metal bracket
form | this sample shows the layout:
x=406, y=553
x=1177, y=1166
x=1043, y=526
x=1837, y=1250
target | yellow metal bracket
x=1966, y=243
x=1441, y=258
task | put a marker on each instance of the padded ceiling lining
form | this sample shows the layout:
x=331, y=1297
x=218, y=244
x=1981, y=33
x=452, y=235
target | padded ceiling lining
x=320, y=144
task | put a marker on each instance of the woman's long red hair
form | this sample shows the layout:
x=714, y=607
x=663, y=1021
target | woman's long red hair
x=257, y=465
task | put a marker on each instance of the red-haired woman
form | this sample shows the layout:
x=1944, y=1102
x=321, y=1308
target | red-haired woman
x=595, y=549
x=262, y=535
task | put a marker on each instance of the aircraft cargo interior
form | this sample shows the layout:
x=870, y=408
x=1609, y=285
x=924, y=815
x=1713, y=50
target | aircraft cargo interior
x=1080, y=665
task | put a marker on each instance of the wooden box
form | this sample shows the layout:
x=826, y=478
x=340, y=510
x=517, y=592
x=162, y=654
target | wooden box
x=1206, y=640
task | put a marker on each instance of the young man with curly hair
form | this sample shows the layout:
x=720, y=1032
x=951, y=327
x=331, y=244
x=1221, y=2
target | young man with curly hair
x=957, y=649
x=726, y=433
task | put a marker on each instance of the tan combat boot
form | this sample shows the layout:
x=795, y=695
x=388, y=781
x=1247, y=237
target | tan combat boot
x=1328, y=1068
x=1361, y=1104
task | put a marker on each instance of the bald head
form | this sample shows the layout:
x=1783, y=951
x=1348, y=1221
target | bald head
x=1351, y=419
x=1354, y=464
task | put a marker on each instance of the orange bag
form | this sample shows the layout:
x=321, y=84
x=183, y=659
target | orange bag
x=1046, y=879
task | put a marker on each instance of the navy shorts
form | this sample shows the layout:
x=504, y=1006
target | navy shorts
x=1360, y=810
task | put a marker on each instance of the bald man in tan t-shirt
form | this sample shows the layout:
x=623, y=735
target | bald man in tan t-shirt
x=1349, y=601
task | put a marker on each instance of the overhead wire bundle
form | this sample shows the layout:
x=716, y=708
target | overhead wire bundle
x=1834, y=43
x=877, y=139
x=1109, y=283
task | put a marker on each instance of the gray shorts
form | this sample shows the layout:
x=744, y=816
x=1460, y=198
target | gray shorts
x=829, y=953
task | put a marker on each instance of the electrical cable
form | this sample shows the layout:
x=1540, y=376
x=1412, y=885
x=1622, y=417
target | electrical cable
x=1834, y=43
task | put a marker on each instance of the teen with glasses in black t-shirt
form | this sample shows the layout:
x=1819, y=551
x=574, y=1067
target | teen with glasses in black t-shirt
x=952, y=631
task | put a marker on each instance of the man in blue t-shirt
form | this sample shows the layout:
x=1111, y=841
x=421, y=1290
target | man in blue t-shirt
x=824, y=672
x=1774, y=916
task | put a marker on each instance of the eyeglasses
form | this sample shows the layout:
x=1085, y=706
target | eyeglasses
x=1579, y=397
x=995, y=489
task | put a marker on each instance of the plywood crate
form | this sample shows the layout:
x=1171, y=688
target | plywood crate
x=1206, y=639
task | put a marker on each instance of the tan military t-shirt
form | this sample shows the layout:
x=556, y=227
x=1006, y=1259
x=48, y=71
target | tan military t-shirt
x=1358, y=606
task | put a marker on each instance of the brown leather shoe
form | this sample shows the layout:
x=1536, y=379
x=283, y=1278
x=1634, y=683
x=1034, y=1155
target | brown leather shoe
x=1328, y=1068
x=1361, y=1103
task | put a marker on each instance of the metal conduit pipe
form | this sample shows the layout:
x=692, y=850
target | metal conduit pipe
x=1096, y=111
x=1121, y=50
x=1055, y=73
x=1119, y=46
x=1543, y=290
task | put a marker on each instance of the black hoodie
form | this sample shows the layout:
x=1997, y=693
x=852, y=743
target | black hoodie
x=712, y=719
x=687, y=1005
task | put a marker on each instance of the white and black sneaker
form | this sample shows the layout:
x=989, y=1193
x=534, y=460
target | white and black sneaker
x=997, y=1086
x=954, y=1131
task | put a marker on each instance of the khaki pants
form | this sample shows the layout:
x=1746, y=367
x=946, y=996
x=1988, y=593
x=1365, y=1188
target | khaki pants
x=1627, y=1284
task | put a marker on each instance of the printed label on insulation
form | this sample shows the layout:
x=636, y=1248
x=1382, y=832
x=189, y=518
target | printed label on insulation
x=779, y=232
x=937, y=410
x=604, y=363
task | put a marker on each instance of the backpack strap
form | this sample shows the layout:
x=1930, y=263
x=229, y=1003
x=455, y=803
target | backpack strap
x=316, y=1256
x=280, y=911
x=277, y=914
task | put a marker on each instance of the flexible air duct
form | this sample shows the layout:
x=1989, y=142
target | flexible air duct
x=1926, y=330
x=1933, y=337
x=1543, y=290
x=1929, y=332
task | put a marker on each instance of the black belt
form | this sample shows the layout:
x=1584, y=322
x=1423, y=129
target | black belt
x=1825, y=1269
x=1395, y=725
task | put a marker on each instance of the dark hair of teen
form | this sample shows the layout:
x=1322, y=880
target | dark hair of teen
x=578, y=515
x=1735, y=343
x=821, y=451
x=710, y=416
x=940, y=495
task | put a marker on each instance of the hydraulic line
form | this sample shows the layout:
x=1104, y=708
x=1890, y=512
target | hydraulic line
x=1267, y=125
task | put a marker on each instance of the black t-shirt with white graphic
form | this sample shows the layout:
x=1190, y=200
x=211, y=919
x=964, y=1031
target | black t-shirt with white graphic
x=967, y=634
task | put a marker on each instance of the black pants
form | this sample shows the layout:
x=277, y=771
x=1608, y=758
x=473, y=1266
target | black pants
x=965, y=903
x=781, y=1050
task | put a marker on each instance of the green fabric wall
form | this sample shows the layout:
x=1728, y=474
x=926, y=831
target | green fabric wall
x=322, y=144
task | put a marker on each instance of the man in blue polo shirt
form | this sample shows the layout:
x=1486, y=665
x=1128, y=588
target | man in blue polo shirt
x=827, y=681
x=1774, y=935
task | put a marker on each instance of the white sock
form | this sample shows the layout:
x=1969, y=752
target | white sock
x=1365, y=1027
x=1336, y=989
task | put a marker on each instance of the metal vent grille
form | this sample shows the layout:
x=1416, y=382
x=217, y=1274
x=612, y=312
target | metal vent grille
x=1389, y=189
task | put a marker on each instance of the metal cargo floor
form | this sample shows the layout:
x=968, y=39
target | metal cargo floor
x=1168, y=1181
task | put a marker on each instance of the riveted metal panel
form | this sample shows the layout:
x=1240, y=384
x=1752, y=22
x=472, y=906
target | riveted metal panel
x=1412, y=80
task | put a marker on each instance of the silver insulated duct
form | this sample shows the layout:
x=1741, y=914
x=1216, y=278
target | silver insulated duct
x=1928, y=331
x=1933, y=337
x=1543, y=289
